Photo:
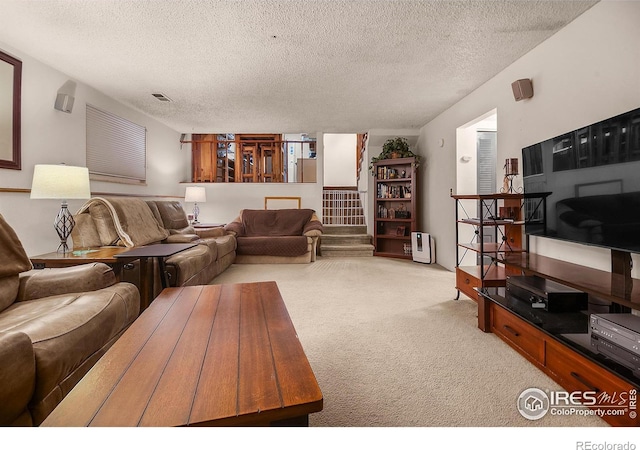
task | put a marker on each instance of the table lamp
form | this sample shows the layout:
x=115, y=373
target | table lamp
x=65, y=183
x=195, y=194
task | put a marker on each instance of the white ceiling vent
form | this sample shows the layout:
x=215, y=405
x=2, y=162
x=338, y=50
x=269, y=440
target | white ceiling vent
x=162, y=97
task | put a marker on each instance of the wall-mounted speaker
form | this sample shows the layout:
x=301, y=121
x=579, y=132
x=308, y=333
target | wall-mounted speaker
x=64, y=103
x=522, y=89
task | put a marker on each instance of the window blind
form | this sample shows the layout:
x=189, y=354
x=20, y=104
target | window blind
x=116, y=147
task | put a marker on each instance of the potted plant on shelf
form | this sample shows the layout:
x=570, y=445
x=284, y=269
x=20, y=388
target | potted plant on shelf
x=394, y=148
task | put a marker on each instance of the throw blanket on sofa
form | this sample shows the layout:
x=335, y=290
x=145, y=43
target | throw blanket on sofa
x=128, y=220
x=274, y=246
x=282, y=222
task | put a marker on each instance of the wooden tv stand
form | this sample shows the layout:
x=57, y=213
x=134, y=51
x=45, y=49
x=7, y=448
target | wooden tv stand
x=560, y=344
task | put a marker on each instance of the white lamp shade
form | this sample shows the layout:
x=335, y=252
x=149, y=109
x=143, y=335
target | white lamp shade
x=60, y=181
x=195, y=194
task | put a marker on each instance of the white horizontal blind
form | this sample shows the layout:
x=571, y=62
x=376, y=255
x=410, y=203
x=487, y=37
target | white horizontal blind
x=116, y=147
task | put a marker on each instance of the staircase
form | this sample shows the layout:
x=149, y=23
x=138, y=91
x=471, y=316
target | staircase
x=345, y=232
x=345, y=240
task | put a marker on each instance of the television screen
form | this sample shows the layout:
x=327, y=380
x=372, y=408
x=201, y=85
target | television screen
x=592, y=176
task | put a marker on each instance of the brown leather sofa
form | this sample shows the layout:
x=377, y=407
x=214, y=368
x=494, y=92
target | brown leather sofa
x=131, y=222
x=54, y=325
x=276, y=236
x=220, y=244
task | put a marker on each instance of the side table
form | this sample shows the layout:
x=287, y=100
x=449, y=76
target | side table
x=106, y=255
x=158, y=251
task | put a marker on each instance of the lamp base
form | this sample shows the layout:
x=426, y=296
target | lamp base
x=63, y=224
x=196, y=212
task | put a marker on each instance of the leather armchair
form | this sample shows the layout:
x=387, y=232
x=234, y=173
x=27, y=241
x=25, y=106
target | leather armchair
x=54, y=325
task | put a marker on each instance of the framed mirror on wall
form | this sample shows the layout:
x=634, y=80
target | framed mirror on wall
x=10, y=100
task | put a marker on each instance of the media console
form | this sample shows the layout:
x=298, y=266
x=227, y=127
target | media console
x=561, y=343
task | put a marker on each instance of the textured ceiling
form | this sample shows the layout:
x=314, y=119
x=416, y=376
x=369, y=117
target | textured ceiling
x=283, y=65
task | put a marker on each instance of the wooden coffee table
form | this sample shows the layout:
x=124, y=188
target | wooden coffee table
x=221, y=355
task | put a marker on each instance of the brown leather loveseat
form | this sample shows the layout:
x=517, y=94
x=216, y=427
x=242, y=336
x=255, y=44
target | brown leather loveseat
x=54, y=325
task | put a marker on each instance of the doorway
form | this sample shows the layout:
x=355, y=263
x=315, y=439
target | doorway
x=476, y=165
x=340, y=160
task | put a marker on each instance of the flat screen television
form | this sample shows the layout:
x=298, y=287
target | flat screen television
x=592, y=177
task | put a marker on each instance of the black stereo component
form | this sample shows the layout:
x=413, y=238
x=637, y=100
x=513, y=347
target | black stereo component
x=616, y=353
x=621, y=329
x=546, y=294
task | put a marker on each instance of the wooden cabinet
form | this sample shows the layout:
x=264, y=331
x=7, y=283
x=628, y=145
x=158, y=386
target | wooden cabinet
x=577, y=374
x=395, y=207
x=524, y=338
x=569, y=368
x=561, y=345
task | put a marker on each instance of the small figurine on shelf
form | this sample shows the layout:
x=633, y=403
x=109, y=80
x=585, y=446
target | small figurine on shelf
x=510, y=172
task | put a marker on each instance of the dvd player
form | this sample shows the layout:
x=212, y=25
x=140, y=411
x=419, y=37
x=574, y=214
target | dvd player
x=621, y=329
x=616, y=353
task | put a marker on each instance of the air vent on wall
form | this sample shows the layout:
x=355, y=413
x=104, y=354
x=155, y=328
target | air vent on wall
x=162, y=97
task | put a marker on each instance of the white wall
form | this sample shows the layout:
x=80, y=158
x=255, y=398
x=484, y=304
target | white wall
x=340, y=156
x=51, y=136
x=587, y=72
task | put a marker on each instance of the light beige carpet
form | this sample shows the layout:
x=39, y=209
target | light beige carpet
x=390, y=346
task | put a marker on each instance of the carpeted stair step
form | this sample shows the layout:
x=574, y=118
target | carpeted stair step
x=345, y=239
x=347, y=250
x=344, y=229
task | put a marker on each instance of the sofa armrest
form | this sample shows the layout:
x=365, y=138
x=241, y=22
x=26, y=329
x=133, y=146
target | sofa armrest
x=181, y=238
x=47, y=282
x=313, y=233
x=213, y=232
x=17, y=377
x=235, y=228
x=313, y=227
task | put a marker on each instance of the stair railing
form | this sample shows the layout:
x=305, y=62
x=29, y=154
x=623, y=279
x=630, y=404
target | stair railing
x=342, y=207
